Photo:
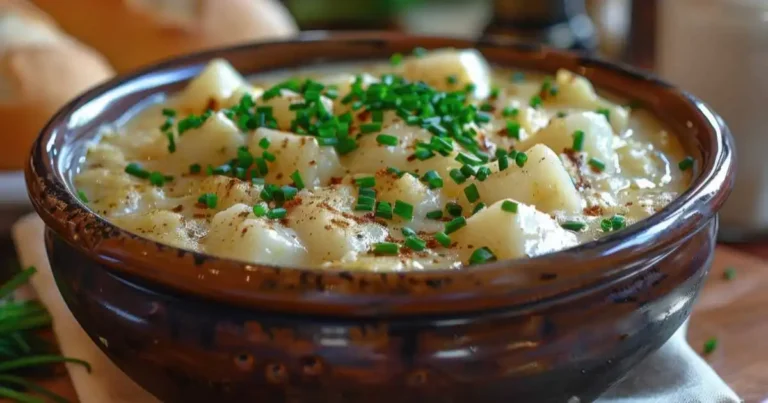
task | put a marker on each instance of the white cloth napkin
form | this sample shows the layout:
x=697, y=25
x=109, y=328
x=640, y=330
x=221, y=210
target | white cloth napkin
x=674, y=374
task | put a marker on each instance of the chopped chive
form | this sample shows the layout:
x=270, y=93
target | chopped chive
x=366, y=200
x=267, y=194
x=468, y=171
x=576, y=226
x=486, y=107
x=366, y=182
x=394, y=171
x=472, y=193
x=136, y=170
x=419, y=51
x=483, y=173
x=618, y=222
x=503, y=162
x=157, y=179
x=169, y=112
x=478, y=207
x=384, y=210
x=710, y=345
x=686, y=163
x=454, y=209
x=518, y=77
x=297, y=180
x=561, y=114
x=455, y=224
x=596, y=164
x=415, y=243
x=423, y=154
x=386, y=139
x=277, y=213
x=482, y=255
x=171, y=142
x=403, y=209
x=470, y=87
x=408, y=232
x=261, y=165
x=264, y=143
x=605, y=112
x=364, y=207
x=377, y=116
x=369, y=192
x=443, y=239
x=435, y=214
x=260, y=210
x=81, y=195
x=513, y=129
x=535, y=101
x=244, y=158
x=346, y=146
x=210, y=200
x=729, y=273
x=386, y=248
x=327, y=141
x=509, y=206
x=195, y=169
x=578, y=140
x=268, y=156
x=521, y=158
x=510, y=112
x=396, y=59
x=367, y=128
x=605, y=225
x=495, y=91
x=457, y=176
x=433, y=179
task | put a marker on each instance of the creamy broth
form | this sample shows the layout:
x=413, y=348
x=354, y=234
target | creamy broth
x=431, y=161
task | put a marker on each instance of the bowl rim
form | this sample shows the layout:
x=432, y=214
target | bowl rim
x=333, y=291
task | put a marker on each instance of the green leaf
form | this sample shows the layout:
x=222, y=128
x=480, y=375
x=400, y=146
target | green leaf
x=15, y=380
x=18, y=280
x=38, y=360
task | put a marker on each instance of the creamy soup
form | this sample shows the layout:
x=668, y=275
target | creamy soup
x=432, y=160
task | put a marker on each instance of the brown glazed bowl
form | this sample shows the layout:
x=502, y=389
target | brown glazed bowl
x=195, y=328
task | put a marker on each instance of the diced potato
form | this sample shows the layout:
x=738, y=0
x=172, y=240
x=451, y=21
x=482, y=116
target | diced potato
x=372, y=156
x=543, y=182
x=229, y=191
x=411, y=190
x=316, y=164
x=214, y=143
x=575, y=90
x=104, y=155
x=598, y=137
x=215, y=84
x=525, y=233
x=281, y=107
x=238, y=94
x=237, y=234
x=468, y=66
x=329, y=234
x=159, y=225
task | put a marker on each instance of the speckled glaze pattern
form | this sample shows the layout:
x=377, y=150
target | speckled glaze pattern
x=190, y=327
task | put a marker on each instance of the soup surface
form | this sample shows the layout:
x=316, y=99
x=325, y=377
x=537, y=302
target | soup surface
x=433, y=160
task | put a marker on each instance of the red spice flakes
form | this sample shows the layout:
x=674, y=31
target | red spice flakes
x=279, y=176
x=292, y=203
x=312, y=163
x=201, y=215
x=340, y=223
x=593, y=211
x=244, y=230
x=364, y=115
x=178, y=209
x=336, y=180
x=411, y=157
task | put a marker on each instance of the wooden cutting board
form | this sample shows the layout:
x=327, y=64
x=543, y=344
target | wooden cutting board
x=733, y=311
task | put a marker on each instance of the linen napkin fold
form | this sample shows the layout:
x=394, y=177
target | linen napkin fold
x=673, y=374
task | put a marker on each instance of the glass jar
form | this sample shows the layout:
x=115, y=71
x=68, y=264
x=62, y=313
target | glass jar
x=718, y=50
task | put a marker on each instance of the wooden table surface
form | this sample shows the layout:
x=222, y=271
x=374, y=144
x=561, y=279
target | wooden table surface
x=730, y=310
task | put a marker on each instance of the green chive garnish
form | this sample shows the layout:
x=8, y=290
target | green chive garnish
x=277, y=213
x=576, y=226
x=260, y=210
x=513, y=129
x=578, y=140
x=157, y=179
x=408, y=232
x=452, y=79
x=81, y=195
x=386, y=139
x=435, y=214
x=482, y=255
x=433, y=179
x=455, y=224
x=386, y=248
x=297, y=180
x=169, y=112
x=483, y=173
x=384, y=210
x=520, y=159
x=264, y=143
x=535, y=101
x=710, y=345
x=268, y=156
x=510, y=112
x=596, y=164
x=457, y=176
x=472, y=193
x=195, y=169
x=454, y=209
x=503, y=162
x=210, y=200
x=367, y=128
x=415, y=243
x=396, y=59
x=518, y=77
x=136, y=170
x=403, y=209
x=605, y=112
x=366, y=182
x=509, y=206
x=729, y=273
x=443, y=239
x=478, y=207
x=686, y=163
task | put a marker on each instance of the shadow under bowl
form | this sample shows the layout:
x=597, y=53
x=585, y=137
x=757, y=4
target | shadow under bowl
x=194, y=328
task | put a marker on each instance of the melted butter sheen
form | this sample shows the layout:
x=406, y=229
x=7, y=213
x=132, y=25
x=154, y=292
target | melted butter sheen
x=321, y=226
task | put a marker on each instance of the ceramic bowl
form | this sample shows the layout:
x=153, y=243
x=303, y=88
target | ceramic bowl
x=190, y=327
